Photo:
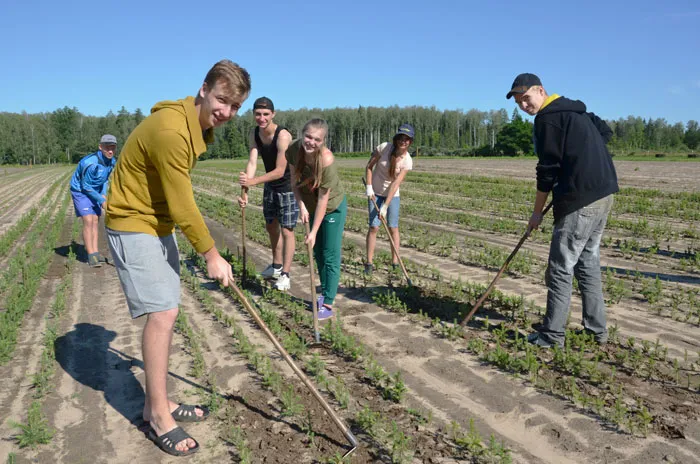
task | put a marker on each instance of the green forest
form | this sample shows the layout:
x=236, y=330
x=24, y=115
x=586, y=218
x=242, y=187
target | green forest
x=65, y=135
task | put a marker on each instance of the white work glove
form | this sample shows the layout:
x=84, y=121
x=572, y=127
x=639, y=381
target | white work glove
x=370, y=191
x=383, y=209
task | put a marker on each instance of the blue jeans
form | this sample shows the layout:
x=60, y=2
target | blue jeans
x=392, y=213
x=575, y=251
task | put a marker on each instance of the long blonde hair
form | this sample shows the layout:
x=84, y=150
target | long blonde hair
x=317, y=166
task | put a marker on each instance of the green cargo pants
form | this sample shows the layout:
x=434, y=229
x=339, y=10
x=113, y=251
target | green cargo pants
x=328, y=250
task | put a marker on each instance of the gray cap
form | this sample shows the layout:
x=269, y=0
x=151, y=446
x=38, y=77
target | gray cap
x=108, y=139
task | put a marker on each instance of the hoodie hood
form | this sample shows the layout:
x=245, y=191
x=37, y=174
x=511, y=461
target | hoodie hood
x=187, y=108
x=563, y=104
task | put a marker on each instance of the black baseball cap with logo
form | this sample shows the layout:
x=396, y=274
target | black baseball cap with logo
x=522, y=84
x=263, y=103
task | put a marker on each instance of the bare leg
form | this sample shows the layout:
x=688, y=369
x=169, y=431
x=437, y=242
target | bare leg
x=89, y=229
x=273, y=230
x=371, y=242
x=395, y=237
x=157, y=336
x=95, y=233
x=288, y=242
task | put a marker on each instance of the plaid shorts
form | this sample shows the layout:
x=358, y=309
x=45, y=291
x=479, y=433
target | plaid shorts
x=281, y=206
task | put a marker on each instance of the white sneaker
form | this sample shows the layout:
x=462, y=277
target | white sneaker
x=283, y=283
x=270, y=272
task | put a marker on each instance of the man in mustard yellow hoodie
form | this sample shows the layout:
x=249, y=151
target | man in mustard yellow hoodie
x=150, y=193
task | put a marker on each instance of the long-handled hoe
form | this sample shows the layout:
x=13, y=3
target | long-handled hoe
x=312, y=285
x=500, y=271
x=243, y=234
x=346, y=431
x=391, y=240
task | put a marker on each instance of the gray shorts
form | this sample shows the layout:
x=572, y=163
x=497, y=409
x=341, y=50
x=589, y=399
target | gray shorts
x=149, y=270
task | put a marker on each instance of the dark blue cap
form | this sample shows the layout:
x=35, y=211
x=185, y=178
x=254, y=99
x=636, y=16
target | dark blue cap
x=406, y=129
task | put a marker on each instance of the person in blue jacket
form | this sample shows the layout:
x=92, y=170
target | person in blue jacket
x=88, y=188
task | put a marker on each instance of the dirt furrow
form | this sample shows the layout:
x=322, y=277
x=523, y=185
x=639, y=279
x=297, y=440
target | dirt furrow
x=32, y=197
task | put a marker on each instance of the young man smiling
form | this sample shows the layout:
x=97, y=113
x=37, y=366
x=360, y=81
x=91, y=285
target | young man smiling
x=279, y=206
x=575, y=165
x=150, y=193
x=88, y=188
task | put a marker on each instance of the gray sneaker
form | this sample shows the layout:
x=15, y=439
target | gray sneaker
x=271, y=273
x=94, y=260
x=369, y=269
x=537, y=339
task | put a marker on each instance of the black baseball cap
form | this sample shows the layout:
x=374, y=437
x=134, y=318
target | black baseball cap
x=263, y=103
x=522, y=83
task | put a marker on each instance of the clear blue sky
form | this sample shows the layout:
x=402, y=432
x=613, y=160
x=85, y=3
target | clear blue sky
x=620, y=57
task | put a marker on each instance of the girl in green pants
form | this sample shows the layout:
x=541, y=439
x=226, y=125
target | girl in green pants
x=317, y=189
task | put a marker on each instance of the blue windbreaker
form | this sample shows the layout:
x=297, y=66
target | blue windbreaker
x=92, y=175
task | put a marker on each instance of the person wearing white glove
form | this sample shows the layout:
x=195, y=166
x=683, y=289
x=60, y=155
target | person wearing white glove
x=386, y=170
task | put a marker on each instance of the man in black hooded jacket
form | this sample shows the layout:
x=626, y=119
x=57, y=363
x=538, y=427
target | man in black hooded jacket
x=575, y=165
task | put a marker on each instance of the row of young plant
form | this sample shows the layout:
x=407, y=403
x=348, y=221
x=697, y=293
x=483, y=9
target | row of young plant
x=636, y=417
x=24, y=275
x=425, y=210
x=615, y=288
x=223, y=211
x=629, y=200
x=591, y=377
x=226, y=212
x=11, y=235
x=37, y=431
x=423, y=238
x=513, y=198
x=14, y=193
x=208, y=391
x=410, y=209
x=291, y=405
x=681, y=304
x=16, y=261
x=507, y=196
x=293, y=325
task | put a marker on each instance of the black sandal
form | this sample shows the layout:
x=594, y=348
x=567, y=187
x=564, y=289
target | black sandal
x=187, y=413
x=168, y=441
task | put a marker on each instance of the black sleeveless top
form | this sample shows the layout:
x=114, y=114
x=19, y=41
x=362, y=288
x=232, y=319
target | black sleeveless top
x=269, y=156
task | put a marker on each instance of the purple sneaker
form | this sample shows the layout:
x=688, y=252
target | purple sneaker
x=325, y=313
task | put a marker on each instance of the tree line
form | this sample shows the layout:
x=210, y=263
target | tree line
x=65, y=135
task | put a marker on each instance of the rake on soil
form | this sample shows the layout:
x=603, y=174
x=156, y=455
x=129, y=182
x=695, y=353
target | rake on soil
x=312, y=285
x=391, y=240
x=500, y=271
x=346, y=431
